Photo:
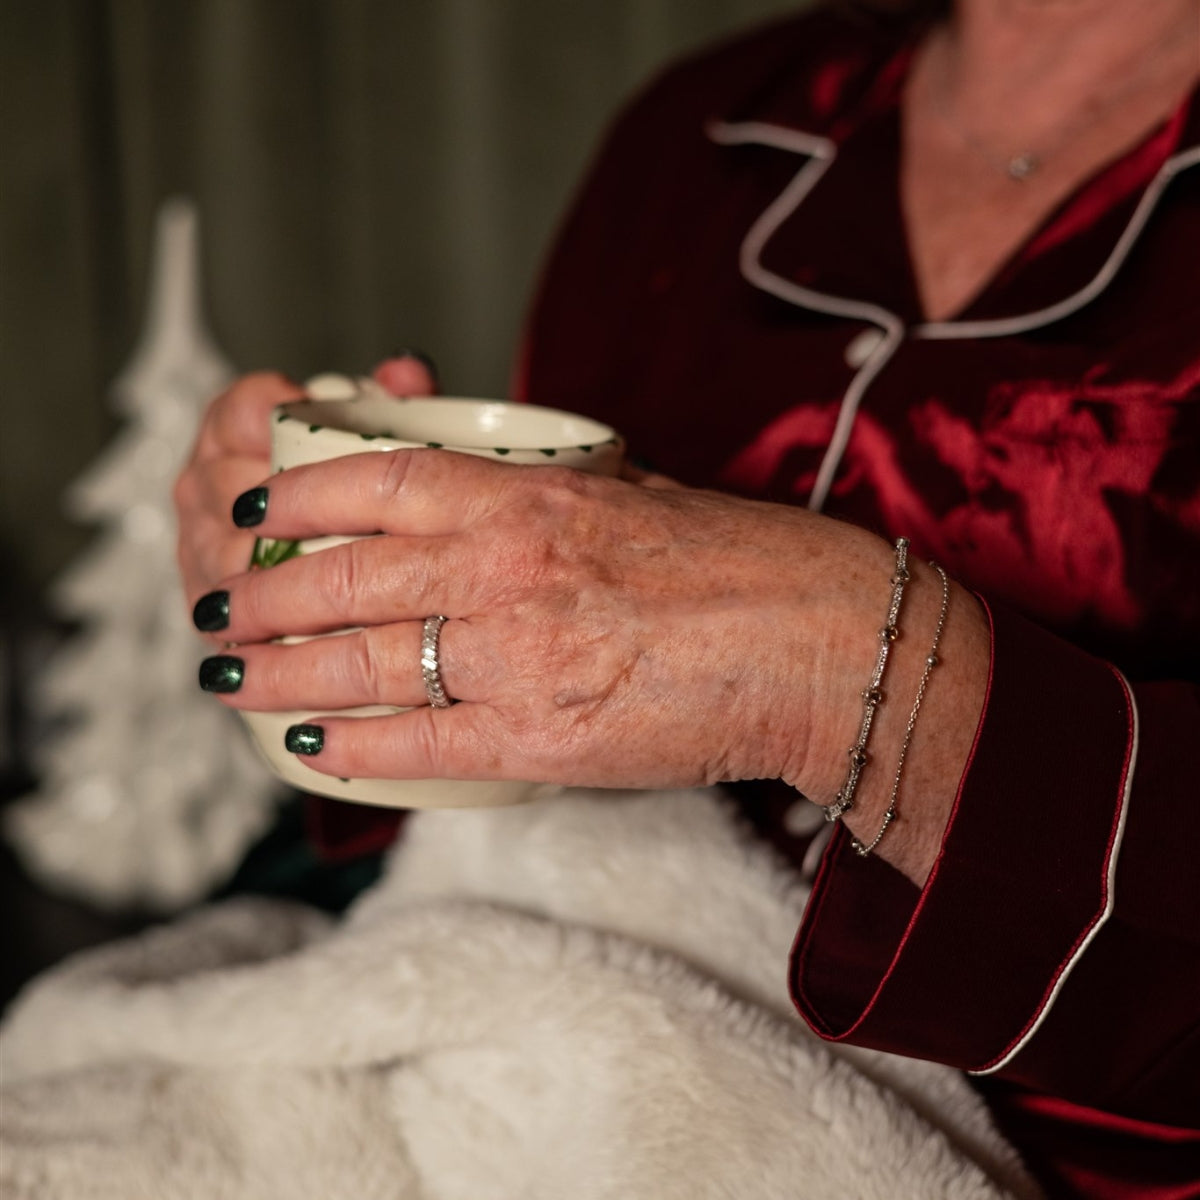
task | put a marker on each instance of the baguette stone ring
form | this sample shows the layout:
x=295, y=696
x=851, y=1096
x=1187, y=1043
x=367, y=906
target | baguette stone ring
x=431, y=671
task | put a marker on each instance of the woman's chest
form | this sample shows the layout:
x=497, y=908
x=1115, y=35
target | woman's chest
x=1058, y=470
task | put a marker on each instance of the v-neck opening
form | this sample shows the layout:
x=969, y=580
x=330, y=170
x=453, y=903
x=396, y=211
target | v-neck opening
x=864, y=254
x=1169, y=130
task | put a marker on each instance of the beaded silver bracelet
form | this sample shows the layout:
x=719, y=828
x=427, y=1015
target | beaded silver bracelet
x=931, y=660
x=872, y=695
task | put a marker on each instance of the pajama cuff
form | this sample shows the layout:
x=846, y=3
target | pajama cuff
x=964, y=970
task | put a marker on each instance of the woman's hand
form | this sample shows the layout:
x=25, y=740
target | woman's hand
x=232, y=453
x=599, y=632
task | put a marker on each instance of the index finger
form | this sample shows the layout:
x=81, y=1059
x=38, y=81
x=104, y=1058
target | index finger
x=425, y=492
x=238, y=421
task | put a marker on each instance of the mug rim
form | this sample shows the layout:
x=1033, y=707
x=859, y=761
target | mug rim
x=307, y=411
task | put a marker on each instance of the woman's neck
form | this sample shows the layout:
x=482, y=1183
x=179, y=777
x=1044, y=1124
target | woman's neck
x=1028, y=68
x=1010, y=105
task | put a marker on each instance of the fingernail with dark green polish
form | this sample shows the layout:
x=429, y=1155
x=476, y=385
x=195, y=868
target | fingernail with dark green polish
x=304, y=739
x=222, y=673
x=211, y=613
x=250, y=508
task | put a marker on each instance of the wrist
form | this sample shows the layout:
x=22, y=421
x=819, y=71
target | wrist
x=920, y=724
x=853, y=612
x=926, y=770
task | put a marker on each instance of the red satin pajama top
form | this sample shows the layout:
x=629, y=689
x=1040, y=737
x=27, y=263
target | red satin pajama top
x=732, y=291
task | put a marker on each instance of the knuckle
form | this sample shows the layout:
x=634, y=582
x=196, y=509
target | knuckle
x=251, y=606
x=345, y=572
x=267, y=671
x=562, y=485
x=546, y=501
x=558, y=532
x=566, y=502
x=397, y=466
x=374, y=663
x=428, y=743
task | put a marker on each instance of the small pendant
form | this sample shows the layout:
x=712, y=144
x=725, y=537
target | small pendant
x=1022, y=166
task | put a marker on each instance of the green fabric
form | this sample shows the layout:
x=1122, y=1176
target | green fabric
x=284, y=863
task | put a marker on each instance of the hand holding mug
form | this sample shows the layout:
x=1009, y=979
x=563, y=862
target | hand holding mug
x=343, y=418
x=232, y=453
x=597, y=633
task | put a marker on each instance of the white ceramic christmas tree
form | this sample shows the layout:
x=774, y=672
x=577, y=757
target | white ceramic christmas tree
x=151, y=793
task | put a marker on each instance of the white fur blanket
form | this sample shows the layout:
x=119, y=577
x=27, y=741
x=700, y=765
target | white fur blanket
x=580, y=998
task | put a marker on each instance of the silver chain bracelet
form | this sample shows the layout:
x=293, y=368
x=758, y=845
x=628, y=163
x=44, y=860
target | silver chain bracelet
x=872, y=695
x=931, y=660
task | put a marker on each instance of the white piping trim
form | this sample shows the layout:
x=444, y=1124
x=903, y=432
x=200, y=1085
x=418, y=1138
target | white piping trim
x=822, y=152
x=760, y=133
x=848, y=411
x=1110, y=894
x=1007, y=326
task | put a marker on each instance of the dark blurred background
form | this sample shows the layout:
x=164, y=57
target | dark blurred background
x=370, y=174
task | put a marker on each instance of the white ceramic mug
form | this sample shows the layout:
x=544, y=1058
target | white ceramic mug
x=349, y=416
